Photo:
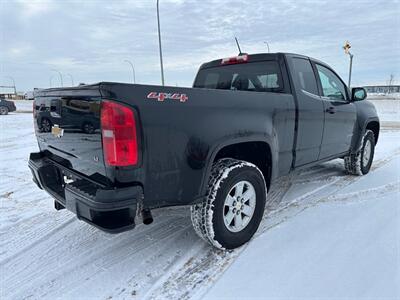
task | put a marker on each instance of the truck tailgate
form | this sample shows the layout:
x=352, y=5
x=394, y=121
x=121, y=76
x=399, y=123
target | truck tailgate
x=67, y=125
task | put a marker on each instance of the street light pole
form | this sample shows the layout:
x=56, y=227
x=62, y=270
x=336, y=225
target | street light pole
x=267, y=45
x=72, y=78
x=133, y=69
x=15, y=89
x=159, y=43
x=346, y=48
x=350, y=68
x=61, y=78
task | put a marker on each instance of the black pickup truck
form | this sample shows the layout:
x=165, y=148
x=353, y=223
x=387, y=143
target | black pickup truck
x=215, y=147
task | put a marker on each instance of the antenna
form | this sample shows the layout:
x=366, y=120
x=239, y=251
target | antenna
x=237, y=43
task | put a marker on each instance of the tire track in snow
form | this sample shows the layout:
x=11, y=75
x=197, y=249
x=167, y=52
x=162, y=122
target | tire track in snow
x=88, y=253
x=43, y=236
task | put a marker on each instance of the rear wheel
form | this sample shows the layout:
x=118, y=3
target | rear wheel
x=360, y=163
x=233, y=208
x=3, y=110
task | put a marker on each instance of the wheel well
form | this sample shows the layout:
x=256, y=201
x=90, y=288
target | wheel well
x=258, y=153
x=374, y=126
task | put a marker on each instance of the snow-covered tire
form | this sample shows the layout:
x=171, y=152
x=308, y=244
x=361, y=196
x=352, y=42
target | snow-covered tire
x=209, y=218
x=360, y=163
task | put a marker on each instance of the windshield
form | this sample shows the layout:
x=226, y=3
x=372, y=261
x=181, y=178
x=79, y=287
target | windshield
x=257, y=76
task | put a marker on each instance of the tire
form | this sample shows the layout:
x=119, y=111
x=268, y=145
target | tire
x=3, y=110
x=88, y=128
x=360, y=163
x=234, y=204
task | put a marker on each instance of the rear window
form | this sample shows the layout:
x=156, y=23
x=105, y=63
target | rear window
x=257, y=77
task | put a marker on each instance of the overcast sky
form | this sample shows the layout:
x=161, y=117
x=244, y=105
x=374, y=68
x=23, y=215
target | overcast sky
x=91, y=39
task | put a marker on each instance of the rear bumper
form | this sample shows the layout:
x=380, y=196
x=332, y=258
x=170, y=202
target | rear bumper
x=110, y=209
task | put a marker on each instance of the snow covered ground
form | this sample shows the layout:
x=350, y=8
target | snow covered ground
x=382, y=96
x=388, y=110
x=325, y=234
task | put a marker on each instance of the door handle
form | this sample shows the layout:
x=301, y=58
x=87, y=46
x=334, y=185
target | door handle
x=331, y=110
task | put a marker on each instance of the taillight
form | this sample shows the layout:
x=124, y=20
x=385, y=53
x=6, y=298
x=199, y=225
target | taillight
x=119, y=134
x=235, y=60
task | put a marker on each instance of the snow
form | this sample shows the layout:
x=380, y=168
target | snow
x=383, y=96
x=325, y=234
x=24, y=106
x=388, y=110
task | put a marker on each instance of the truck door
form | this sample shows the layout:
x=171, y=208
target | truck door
x=310, y=111
x=340, y=113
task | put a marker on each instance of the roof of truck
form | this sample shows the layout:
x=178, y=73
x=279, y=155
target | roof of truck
x=261, y=57
x=252, y=58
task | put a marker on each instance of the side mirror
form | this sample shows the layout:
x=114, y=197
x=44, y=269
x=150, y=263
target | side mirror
x=358, y=94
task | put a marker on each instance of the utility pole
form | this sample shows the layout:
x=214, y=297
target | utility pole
x=133, y=69
x=72, y=79
x=61, y=78
x=346, y=48
x=159, y=43
x=267, y=45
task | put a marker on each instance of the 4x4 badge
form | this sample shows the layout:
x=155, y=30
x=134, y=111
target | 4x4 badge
x=162, y=96
x=57, y=131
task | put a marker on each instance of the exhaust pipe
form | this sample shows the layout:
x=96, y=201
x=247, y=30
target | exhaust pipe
x=146, y=216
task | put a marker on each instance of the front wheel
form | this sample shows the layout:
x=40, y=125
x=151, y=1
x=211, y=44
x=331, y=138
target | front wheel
x=232, y=211
x=360, y=163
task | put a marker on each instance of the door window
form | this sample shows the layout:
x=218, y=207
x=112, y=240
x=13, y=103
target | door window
x=305, y=75
x=332, y=86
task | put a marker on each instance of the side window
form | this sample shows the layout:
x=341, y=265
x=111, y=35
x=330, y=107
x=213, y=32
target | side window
x=332, y=86
x=305, y=75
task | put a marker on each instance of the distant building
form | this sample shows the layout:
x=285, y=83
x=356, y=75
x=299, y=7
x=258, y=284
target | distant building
x=8, y=92
x=383, y=89
x=12, y=96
